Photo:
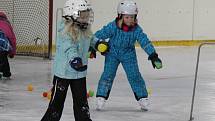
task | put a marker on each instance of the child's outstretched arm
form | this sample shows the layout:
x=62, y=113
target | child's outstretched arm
x=156, y=62
x=146, y=44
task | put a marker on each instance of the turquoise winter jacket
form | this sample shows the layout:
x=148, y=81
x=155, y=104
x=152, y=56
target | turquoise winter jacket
x=67, y=50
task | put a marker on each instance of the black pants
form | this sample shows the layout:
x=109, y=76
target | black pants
x=4, y=65
x=59, y=92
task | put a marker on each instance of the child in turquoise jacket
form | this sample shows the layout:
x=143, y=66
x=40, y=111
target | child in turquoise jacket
x=70, y=64
x=123, y=33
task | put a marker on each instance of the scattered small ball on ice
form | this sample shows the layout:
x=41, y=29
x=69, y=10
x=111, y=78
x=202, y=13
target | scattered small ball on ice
x=91, y=93
x=149, y=90
x=45, y=94
x=88, y=95
x=30, y=87
x=49, y=95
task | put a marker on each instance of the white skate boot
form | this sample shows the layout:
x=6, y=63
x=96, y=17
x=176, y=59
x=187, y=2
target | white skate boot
x=100, y=102
x=144, y=104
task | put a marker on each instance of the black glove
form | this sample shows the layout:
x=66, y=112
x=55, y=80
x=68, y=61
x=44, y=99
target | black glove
x=76, y=64
x=102, y=47
x=156, y=62
x=92, y=53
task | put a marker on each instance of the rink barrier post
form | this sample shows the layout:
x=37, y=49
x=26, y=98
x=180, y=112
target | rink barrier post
x=196, y=75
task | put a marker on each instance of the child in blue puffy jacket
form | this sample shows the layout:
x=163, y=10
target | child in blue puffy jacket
x=74, y=37
x=122, y=33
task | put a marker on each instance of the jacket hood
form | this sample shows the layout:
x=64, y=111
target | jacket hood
x=3, y=15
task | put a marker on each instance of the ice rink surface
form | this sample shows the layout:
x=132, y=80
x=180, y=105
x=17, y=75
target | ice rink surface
x=171, y=88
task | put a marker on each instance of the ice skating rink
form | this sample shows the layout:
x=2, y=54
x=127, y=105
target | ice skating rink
x=171, y=88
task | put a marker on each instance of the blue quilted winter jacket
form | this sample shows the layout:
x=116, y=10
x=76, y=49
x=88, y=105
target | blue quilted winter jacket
x=122, y=42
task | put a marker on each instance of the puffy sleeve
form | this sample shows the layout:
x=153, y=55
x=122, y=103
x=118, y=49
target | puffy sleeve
x=106, y=32
x=144, y=41
x=64, y=44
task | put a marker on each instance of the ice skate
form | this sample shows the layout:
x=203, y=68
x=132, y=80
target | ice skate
x=144, y=104
x=6, y=78
x=100, y=102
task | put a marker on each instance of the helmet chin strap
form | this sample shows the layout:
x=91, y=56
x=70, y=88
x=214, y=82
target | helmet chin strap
x=82, y=26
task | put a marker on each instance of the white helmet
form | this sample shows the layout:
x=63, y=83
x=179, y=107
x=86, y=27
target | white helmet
x=72, y=8
x=127, y=7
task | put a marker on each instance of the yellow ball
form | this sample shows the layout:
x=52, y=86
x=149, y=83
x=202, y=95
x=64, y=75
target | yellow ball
x=30, y=87
x=49, y=95
x=149, y=90
x=102, y=47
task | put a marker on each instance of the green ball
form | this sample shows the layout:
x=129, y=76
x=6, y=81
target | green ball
x=91, y=93
x=88, y=54
x=158, y=65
